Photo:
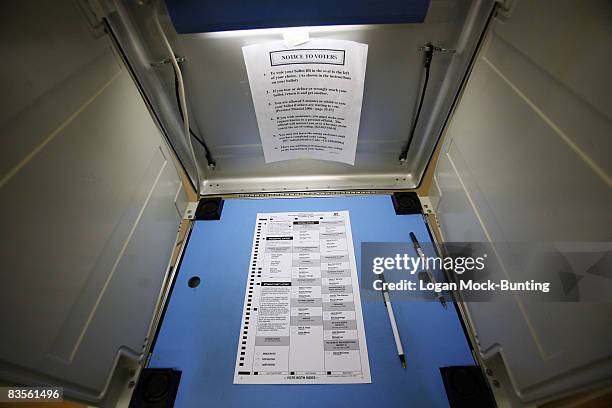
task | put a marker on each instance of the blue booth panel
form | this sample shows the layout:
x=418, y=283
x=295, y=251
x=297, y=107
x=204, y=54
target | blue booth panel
x=198, y=16
x=199, y=333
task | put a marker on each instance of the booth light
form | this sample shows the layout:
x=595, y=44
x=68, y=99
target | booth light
x=282, y=30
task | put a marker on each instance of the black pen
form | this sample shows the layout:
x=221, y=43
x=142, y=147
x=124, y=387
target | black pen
x=432, y=279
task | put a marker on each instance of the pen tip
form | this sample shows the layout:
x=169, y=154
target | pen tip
x=404, y=364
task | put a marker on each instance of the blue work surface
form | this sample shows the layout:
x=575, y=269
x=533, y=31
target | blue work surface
x=200, y=331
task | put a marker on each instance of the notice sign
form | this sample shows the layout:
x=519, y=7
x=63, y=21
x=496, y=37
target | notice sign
x=307, y=99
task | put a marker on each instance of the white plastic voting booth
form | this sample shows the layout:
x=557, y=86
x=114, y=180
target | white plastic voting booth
x=498, y=115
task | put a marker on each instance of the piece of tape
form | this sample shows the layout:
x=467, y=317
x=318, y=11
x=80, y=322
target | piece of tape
x=293, y=38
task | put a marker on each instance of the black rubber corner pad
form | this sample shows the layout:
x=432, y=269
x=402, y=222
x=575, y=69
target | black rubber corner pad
x=156, y=388
x=209, y=209
x=466, y=387
x=406, y=203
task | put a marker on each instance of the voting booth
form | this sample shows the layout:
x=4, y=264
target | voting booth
x=282, y=139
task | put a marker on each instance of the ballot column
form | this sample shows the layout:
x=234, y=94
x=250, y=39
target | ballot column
x=341, y=340
x=306, y=329
x=271, y=351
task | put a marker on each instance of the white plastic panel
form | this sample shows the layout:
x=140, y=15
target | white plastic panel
x=221, y=108
x=87, y=206
x=527, y=160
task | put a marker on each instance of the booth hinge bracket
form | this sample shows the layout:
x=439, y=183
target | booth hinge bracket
x=437, y=49
x=429, y=204
x=93, y=13
x=504, y=9
x=167, y=61
x=190, y=210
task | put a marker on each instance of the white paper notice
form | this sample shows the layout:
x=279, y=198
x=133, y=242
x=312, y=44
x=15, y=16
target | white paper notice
x=302, y=321
x=307, y=98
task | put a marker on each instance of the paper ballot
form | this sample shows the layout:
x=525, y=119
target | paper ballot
x=302, y=320
x=307, y=98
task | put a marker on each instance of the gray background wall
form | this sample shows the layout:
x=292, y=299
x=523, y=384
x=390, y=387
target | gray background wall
x=527, y=159
x=87, y=203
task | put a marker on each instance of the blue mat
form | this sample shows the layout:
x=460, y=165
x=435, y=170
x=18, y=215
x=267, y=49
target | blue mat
x=199, y=333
